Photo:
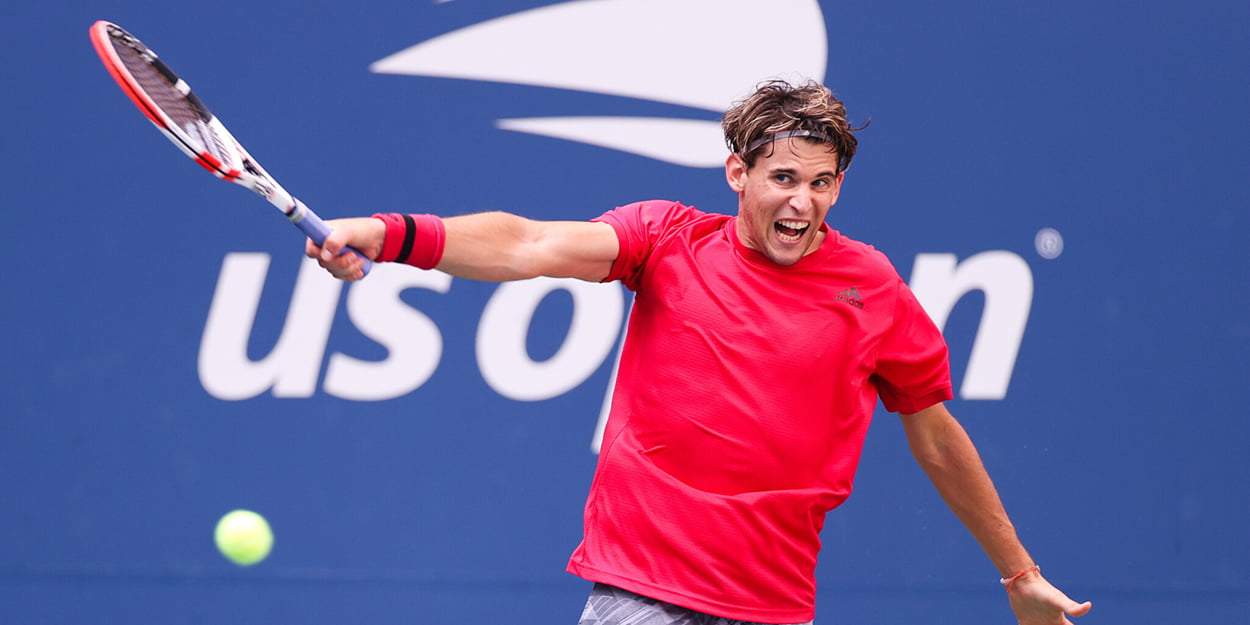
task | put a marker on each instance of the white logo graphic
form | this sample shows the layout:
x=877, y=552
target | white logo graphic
x=676, y=52
x=939, y=281
x=414, y=344
x=680, y=52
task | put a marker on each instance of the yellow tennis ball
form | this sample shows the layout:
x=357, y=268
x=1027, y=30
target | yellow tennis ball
x=244, y=537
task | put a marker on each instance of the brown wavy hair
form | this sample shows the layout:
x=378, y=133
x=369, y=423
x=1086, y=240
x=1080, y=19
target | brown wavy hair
x=808, y=109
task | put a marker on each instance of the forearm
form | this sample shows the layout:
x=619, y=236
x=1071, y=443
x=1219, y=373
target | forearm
x=499, y=246
x=951, y=461
x=488, y=246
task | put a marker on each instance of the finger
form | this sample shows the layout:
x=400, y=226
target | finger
x=345, y=266
x=334, y=244
x=1079, y=609
x=311, y=249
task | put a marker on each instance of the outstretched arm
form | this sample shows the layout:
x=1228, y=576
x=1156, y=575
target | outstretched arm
x=492, y=246
x=948, y=457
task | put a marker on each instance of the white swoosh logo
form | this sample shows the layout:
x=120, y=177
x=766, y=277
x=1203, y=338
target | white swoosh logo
x=702, y=54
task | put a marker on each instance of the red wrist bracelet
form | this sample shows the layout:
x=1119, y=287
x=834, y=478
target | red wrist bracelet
x=415, y=240
x=1008, y=582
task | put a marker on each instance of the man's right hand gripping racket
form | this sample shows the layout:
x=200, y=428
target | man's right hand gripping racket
x=168, y=102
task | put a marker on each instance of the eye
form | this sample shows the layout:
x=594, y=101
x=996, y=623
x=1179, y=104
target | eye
x=783, y=178
x=822, y=183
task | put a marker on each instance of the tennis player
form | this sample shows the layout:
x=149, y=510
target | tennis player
x=756, y=351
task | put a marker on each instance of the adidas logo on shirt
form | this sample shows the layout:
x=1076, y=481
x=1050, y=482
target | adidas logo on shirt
x=851, y=296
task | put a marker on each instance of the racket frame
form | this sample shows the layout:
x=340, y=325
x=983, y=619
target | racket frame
x=247, y=173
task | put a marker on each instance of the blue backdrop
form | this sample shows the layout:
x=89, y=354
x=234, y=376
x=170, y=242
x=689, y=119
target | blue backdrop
x=1064, y=182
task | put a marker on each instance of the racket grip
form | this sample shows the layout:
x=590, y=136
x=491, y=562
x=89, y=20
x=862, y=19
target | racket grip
x=310, y=224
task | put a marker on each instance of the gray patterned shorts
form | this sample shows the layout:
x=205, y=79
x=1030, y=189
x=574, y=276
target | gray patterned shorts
x=609, y=605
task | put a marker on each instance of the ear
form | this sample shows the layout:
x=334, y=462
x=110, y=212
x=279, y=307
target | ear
x=837, y=187
x=735, y=173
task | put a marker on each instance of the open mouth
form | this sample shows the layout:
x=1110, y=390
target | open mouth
x=790, y=231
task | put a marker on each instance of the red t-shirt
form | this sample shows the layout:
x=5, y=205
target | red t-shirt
x=743, y=397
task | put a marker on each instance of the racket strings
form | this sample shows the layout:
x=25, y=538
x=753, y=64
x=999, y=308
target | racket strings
x=170, y=94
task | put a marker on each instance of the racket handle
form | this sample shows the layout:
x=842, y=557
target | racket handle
x=317, y=230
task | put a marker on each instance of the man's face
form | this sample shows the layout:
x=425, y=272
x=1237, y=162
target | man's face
x=783, y=199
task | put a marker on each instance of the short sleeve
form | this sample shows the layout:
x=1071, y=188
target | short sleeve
x=913, y=365
x=639, y=227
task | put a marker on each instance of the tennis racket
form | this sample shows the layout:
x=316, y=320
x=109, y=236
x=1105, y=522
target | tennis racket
x=180, y=115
